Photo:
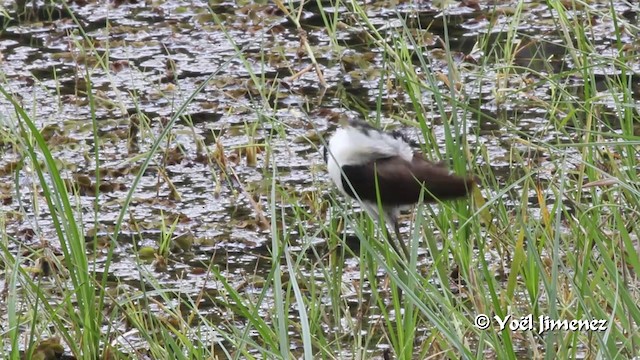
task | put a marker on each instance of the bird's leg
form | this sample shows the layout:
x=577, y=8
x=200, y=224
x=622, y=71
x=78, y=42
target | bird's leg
x=404, y=253
x=396, y=229
x=391, y=219
x=392, y=241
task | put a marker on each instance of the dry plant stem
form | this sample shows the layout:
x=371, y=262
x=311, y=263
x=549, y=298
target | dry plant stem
x=300, y=73
x=172, y=188
x=224, y=165
x=305, y=43
x=264, y=222
x=303, y=39
x=193, y=314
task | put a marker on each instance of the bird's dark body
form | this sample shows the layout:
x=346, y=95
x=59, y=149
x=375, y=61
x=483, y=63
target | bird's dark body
x=397, y=182
x=376, y=167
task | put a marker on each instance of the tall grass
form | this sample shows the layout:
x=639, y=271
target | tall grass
x=550, y=233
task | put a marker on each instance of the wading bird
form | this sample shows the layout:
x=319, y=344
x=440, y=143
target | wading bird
x=371, y=165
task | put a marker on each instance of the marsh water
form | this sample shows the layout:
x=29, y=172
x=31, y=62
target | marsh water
x=253, y=109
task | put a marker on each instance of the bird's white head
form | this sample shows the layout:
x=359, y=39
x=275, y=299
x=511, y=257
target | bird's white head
x=358, y=143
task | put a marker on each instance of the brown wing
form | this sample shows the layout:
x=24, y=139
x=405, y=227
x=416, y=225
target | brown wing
x=400, y=182
x=417, y=157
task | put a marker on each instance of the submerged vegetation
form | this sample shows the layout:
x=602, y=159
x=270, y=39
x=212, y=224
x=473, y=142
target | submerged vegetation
x=163, y=194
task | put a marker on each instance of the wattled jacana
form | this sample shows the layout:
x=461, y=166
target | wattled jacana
x=365, y=163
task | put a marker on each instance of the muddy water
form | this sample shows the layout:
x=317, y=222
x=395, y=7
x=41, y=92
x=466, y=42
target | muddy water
x=146, y=60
